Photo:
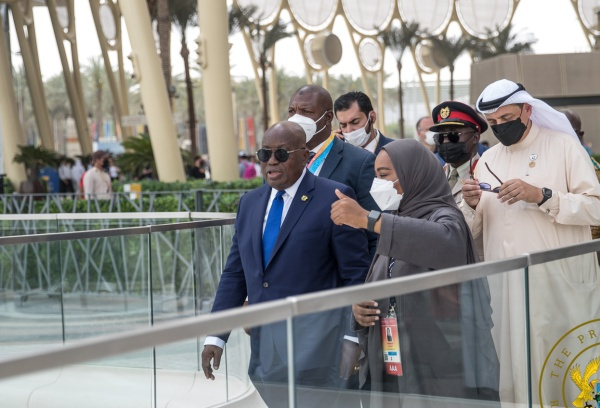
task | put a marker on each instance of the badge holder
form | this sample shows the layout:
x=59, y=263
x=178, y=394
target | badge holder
x=391, y=343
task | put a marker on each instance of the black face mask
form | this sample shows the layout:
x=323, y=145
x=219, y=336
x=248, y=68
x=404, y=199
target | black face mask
x=454, y=152
x=509, y=133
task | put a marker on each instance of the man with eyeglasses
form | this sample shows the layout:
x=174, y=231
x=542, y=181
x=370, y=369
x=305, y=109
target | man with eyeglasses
x=457, y=129
x=285, y=244
x=547, y=197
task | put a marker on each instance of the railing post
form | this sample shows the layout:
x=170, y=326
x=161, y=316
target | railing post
x=199, y=197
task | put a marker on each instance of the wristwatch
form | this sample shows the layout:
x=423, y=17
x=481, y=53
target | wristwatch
x=547, y=193
x=372, y=218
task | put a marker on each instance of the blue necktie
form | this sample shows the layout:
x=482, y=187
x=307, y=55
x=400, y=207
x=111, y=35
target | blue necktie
x=272, y=226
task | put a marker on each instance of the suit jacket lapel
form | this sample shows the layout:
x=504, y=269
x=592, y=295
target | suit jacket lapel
x=333, y=158
x=296, y=209
x=258, y=217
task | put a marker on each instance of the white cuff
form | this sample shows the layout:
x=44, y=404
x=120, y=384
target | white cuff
x=353, y=339
x=214, y=341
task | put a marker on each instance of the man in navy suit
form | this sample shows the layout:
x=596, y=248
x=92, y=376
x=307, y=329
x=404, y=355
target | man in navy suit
x=312, y=108
x=356, y=116
x=309, y=254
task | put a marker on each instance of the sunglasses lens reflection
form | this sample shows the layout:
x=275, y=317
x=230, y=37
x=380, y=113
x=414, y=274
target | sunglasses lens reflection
x=281, y=155
x=451, y=136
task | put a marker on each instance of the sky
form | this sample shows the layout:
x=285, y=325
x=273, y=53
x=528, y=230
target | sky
x=553, y=22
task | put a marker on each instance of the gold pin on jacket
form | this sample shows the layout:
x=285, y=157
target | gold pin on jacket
x=304, y=198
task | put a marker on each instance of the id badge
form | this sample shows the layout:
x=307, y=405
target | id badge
x=391, y=345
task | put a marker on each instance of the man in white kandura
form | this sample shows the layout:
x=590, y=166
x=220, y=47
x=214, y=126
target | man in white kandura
x=535, y=190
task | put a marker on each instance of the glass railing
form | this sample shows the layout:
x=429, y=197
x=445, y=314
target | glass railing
x=491, y=334
x=60, y=288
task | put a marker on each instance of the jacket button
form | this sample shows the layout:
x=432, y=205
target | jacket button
x=265, y=284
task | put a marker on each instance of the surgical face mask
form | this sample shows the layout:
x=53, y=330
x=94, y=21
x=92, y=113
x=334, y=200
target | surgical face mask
x=358, y=137
x=309, y=125
x=429, y=138
x=385, y=195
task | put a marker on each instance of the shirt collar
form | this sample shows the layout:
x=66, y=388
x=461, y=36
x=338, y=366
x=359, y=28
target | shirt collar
x=373, y=143
x=293, y=189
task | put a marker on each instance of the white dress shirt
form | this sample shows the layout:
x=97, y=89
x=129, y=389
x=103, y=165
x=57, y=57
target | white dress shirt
x=288, y=197
x=372, y=145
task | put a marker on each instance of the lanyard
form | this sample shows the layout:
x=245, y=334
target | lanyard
x=321, y=155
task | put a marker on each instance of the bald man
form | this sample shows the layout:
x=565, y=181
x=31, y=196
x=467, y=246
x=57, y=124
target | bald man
x=285, y=244
x=312, y=108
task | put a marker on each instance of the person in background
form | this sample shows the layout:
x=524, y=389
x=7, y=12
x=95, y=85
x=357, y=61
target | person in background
x=423, y=133
x=96, y=182
x=198, y=171
x=575, y=122
x=445, y=348
x=312, y=108
x=77, y=172
x=356, y=116
x=65, y=176
x=113, y=171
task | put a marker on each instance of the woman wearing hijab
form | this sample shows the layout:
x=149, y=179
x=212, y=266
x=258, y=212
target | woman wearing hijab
x=445, y=343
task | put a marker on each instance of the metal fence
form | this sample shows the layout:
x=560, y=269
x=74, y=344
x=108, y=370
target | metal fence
x=153, y=201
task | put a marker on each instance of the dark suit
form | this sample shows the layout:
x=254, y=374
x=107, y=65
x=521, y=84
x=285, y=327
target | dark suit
x=382, y=142
x=354, y=167
x=310, y=254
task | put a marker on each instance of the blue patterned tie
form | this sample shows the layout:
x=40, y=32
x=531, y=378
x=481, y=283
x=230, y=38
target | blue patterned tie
x=272, y=226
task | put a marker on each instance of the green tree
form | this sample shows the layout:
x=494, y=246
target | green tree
x=450, y=49
x=500, y=42
x=185, y=14
x=398, y=40
x=264, y=39
x=95, y=74
x=159, y=11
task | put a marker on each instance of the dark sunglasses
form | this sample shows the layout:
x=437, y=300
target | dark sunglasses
x=281, y=155
x=453, y=137
x=488, y=187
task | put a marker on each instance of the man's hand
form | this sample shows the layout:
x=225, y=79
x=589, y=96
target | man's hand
x=349, y=361
x=366, y=313
x=516, y=190
x=347, y=211
x=471, y=192
x=338, y=134
x=211, y=353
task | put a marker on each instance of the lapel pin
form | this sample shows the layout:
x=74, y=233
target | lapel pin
x=304, y=198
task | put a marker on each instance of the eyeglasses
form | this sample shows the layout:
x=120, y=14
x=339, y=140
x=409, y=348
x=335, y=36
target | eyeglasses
x=486, y=186
x=281, y=155
x=453, y=137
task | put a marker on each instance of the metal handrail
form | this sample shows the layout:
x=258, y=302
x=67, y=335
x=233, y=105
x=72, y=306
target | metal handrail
x=112, y=232
x=269, y=312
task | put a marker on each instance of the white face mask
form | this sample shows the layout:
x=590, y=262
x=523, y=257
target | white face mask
x=309, y=125
x=429, y=138
x=385, y=195
x=358, y=137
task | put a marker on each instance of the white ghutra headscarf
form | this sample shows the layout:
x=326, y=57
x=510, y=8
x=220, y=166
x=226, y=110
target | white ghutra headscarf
x=505, y=92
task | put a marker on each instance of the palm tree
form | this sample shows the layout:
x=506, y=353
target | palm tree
x=95, y=75
x=264, y=39
x=185, y=14
x=159, y=10
x=450, y=49
x=398, y=40
x=501, y=42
